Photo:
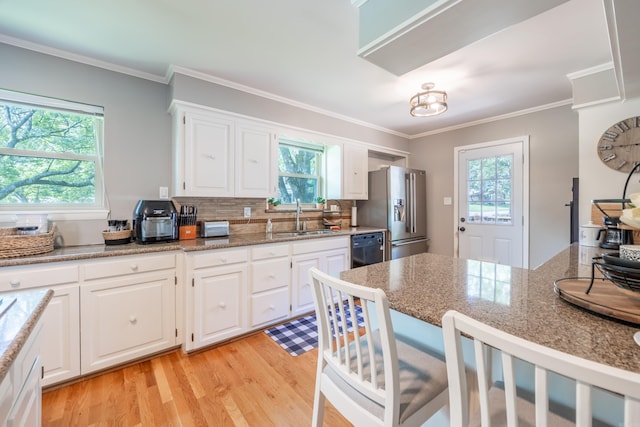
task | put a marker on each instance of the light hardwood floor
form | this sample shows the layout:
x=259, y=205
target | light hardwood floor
x=249, y=382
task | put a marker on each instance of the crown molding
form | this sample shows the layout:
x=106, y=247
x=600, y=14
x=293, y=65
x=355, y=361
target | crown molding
x=80, y=58
x=590, y=71
x=494, y=118
x=173, y=69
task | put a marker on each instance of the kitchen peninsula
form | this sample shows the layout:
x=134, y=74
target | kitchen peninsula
x=518, y=301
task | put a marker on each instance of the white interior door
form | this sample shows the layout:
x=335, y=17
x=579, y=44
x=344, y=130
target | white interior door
x=490, y=210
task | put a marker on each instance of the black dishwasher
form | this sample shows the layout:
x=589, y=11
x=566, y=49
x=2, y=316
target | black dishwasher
x=367, y=248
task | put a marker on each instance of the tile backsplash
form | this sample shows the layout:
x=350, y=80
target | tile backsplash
x=232, y=210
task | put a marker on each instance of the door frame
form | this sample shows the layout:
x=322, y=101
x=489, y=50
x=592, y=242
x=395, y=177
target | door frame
x=524, y=140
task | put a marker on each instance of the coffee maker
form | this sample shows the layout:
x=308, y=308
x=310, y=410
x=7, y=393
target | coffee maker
x=612, y=236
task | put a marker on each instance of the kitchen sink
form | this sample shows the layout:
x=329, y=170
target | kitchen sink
x=303, y=233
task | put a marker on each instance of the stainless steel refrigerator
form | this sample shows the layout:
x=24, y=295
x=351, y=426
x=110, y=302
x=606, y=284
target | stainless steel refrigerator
x=397, y=202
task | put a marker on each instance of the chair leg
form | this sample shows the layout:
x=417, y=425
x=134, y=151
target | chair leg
x=318, y=408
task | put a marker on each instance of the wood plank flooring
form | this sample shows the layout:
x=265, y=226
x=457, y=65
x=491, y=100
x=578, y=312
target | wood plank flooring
x=249, y=382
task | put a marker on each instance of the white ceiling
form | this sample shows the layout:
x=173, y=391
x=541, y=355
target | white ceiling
x=305, y=51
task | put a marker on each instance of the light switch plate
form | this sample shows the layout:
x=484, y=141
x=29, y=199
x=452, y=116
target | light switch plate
x=447, y=201
x=164, y=192
x=247, y=212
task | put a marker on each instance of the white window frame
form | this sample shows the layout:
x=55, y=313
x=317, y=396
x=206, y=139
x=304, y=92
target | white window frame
x=100, y=209
x=311, y=146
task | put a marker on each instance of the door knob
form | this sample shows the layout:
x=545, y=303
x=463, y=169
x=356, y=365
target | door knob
x=462, y=229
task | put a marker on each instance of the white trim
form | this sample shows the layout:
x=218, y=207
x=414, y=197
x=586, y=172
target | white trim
x=524, y=139
x=597, y=102
x=614, y=42
x=44, y=101
x=590, y=71
x=80, y=58
x=268, y=95
x=58, y=215
x=495, y=118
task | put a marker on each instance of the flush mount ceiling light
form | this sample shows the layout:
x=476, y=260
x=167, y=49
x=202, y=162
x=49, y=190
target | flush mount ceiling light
x=429, y=102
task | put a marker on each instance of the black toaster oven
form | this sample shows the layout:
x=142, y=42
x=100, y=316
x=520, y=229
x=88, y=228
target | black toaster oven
x=155, y=221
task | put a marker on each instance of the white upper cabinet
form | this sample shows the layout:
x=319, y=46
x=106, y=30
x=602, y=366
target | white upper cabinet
x=347, y=172
x=208, y=160
x=220, y=155
x=256, y=160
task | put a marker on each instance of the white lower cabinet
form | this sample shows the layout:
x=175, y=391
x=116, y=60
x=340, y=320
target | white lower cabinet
x=21, y=390
x=127, y=309
x=61, y=335
x=270, y=284
x=328, y=255
x=216, y=296
x=60, y=321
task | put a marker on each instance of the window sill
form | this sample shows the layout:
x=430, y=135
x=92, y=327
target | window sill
x=291, y=210
x=59, y=215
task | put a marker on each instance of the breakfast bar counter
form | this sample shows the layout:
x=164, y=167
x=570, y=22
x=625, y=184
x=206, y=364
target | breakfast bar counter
x=518, y=301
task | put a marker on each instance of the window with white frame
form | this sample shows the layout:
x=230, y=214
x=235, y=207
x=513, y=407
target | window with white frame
x=300, y=171
x=50, y=154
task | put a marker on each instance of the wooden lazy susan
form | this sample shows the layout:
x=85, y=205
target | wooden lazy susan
x=604, y=298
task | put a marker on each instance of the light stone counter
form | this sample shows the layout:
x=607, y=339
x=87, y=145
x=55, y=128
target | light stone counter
x=75, y=253
x=518, y=301
x=17, y=322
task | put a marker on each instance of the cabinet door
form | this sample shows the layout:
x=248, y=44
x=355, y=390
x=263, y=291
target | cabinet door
x=27, y=408
x=302, y=294
x=219, y=300
x=336, y=262
x=355, y=173
x=209, y=154
x=61, y=335
x=256, y=161
x=126, y=318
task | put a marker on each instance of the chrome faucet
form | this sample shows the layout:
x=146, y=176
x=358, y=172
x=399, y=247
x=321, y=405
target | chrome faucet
x=298, y=212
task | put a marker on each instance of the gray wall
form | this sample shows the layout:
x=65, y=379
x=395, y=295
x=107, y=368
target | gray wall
x=553, y=157
x=138, y=126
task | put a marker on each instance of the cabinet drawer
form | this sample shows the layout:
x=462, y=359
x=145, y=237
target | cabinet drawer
x=269, y=306
x=127, y=265
x=216, y=258
x=320, y=245
x=269, y=251
x=25, y=277
x=270, y=274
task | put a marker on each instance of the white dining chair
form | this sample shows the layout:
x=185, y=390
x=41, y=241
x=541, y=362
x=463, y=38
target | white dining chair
x=368, y=375
x=502, y=403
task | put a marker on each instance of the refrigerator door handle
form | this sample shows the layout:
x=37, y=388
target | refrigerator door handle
x=413, y=202
x=409, y=204
x=411, y=242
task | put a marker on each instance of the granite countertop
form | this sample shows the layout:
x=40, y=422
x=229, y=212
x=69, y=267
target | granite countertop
x=518, y=301
x=20, y=312
x=236, y=240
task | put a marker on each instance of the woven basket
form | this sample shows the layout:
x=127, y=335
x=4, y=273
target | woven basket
x=13, y=244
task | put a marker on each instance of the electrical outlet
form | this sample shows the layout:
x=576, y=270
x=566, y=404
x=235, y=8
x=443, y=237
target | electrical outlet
x=247, y=212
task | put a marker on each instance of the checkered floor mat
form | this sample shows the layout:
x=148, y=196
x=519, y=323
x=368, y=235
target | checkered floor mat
x=301, y=335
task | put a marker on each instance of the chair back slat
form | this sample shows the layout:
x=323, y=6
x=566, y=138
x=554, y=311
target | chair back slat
x=509, y=389
x=483, y=375
x=542, y=396
x=586, y=374
x=583, y=404
x=350, y=354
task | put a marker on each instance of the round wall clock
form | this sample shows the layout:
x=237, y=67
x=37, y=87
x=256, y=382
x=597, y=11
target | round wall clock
x=619, y=146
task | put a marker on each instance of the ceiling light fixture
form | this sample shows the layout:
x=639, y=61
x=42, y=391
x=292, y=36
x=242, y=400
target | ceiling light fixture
x=428, y=103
